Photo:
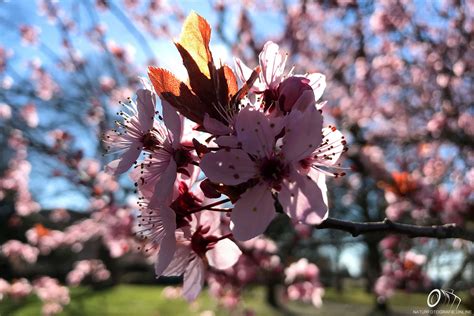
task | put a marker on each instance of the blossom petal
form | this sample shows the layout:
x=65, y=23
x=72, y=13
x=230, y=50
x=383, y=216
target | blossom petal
x=252, y=213
x=164, y=185
x=305, y=100
x=172, y=122
x=302, y=134
x=317, y=81
x=127, y=159
x=146, y=109
x=272, y=64
x=193, y=279
x=242, y=71
x=168, y=241
x=332, y=147
x=224, y=254
x=165, y=254
x=209, y=219
x=255, y=132
x=320, y=179
x=230, y=167
x=214, y=126
x=230, y=141
x=303, y=200
x=180, y=260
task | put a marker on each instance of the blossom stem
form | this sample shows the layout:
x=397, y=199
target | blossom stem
x=205, y=207
x=215, y=209
x=229, y=235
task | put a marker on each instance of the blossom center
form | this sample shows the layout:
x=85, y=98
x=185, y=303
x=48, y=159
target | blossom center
x=273, y=171
x=185, y=202
x=200, y=243
x=149, y=141
x=182, y=157
x=270, y=96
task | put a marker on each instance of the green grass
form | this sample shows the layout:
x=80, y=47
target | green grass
x=149, y=301
x=131, y=300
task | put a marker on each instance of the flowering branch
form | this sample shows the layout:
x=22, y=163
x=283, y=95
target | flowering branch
x=388, y=226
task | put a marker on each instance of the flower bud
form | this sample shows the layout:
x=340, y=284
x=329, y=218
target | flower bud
x=290, y=90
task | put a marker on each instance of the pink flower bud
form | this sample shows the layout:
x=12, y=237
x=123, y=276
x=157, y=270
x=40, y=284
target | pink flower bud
x=290, y=90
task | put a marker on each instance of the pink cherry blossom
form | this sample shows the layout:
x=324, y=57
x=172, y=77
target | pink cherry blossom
x=385, y=286
x=93, y=268
x=272, y=64
x=29, y=34
x=273, y=169
x=284, y=90
x=5, y=111
x=135, y=133
x=20, y=288
x=4, y=288
x=30, y=115
x=17, y=252
x=155, y=176
x=158, y=223
x=53, y=295
x=303, y=280
x=193, y=253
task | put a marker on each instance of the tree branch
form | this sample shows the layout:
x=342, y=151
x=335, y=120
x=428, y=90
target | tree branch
x=387, y=226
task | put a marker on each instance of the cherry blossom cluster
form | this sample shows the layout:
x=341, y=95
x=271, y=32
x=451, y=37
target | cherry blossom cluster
x=213, y=163
x=18, y=252
x=303, y=279
x=53, y=295
x=15, y=179
x=402, y=269
x=94, y=269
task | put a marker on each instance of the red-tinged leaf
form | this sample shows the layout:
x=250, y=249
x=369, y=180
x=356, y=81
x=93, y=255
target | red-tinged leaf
x=231, y=80
x=195, y=37
x=200, y=84
x=226, y=84
x=246, y=87
x=214, y=87
x=177, y=93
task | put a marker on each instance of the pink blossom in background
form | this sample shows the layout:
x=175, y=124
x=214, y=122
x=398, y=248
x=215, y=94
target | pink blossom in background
x=30, y=115
x=84, y=268
x=59, y=215
x=303, y=280
x=29, y=34
x=4, y=289
x=5, y=111
x=19, y=252
x=16, y=177
x=53, y=295
x=44, y=83
x=20, y=288
x=107, y=84
x=385, y=286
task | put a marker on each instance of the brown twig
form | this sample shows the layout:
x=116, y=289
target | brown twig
x=388, y=226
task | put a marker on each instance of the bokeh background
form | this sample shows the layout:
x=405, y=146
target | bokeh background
x=400, y=77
